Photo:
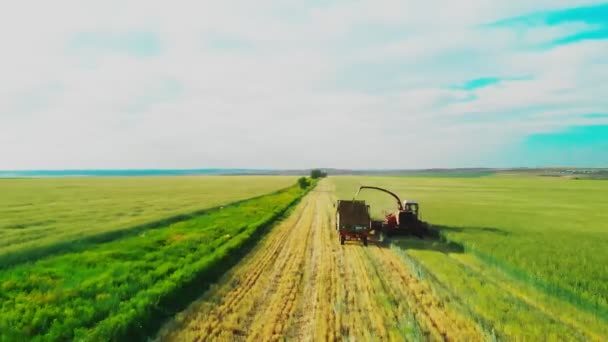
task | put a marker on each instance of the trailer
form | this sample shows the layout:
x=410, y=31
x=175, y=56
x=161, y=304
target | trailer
x=353, y=221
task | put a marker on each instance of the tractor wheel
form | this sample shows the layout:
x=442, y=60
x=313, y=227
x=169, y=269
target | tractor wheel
x=364, y=240
x=342, y=238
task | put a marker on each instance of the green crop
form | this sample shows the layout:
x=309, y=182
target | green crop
x=121, y=289
x=41, y=216
x=547, y=233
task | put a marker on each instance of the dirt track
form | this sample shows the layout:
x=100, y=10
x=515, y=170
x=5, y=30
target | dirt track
x=301, y=284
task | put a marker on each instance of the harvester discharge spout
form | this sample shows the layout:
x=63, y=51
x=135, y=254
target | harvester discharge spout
x=404, y=221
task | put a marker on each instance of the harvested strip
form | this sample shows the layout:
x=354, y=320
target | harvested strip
x=224, y=310
x=301, y=284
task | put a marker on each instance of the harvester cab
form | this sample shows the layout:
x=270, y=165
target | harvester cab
x=411, y=207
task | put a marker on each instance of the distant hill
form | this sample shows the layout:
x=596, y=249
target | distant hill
x=123, y=173
x=578, y=173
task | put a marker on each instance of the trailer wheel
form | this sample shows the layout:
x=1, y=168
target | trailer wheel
x=364, y=240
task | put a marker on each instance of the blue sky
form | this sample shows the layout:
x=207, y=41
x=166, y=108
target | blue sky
x=577, y=145
x=285, y=84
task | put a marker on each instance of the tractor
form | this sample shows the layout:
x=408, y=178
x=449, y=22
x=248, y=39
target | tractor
x=404, y=221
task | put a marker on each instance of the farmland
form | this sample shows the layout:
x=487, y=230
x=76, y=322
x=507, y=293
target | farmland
x=299, y=283
x=534, y=249
x=491, y=277
x=41, y=215
x=516, y=258
x=115, y=289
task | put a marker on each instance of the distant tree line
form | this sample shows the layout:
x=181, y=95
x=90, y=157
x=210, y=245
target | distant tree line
x=317, y=173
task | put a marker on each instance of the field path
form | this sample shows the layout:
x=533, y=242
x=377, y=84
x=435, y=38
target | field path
x=300, y=283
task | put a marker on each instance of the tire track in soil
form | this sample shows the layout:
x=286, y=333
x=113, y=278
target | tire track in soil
x=283, y=293
x=299, y=283
x=306, y=315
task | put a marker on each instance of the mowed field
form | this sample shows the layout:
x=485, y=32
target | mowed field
x=520, y=258
x=41, y=215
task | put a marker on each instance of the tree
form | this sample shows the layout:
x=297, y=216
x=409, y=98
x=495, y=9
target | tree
x=316, y=173
x=303, y=182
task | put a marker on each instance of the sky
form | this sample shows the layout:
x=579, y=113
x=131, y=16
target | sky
x=297, y=84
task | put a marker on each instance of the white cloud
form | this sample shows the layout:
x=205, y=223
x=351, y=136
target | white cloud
x=345, y=84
